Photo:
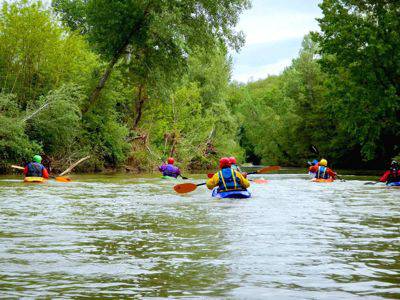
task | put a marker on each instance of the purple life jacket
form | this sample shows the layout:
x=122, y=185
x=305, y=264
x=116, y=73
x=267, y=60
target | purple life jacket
x=170, y=170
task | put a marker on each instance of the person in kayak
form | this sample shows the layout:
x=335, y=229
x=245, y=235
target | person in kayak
x=227, y=179
x=35, y=168
x=393, y=174
x=169, y=169
x=322, y=171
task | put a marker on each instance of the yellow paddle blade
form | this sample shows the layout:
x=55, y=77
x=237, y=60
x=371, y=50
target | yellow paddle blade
x=185, y=188
x=268, y=169
x=63, y=179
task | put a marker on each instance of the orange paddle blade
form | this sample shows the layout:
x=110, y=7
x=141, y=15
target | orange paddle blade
x=63, y=179
x=185, y=188
x=260, y=181
x=268, y=169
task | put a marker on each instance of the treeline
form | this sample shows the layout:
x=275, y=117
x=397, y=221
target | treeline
x=341, y=96
x=132, y=82
x=128, y=82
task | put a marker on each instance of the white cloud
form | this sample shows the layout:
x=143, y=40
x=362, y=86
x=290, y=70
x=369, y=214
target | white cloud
x=274, y=31
x=256, y=73
x=274, y=28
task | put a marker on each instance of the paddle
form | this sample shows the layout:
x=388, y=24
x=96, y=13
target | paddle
x=186, y=187
x=265, y=170
x=371, y=183
x=58, y=178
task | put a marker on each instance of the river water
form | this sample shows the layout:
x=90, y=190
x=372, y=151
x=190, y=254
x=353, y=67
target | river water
x=126, y=237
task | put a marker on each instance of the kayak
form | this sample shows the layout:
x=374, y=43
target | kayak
x=34, y=179
x=393, y=183
x=322, y=180
x=169, y=178
x=231, y=194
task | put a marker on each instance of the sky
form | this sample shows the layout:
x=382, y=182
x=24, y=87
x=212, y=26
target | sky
x=274, y=30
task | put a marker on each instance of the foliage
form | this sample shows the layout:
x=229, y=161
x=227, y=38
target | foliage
x=360, y=44
x=14, y=143
x=168, y=90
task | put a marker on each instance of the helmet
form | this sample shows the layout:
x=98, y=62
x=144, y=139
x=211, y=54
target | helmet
x=171, y=160
x=232, y=160
x=37, y=158
x=224, y=162
x=323, y=162
x=394, y=164
x=314, y=162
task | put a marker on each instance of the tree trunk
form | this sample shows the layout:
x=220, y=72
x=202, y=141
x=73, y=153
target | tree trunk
x=141, y=99
x=102, y=82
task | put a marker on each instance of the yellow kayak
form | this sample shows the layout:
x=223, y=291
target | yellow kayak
x=322, y=180
x=34, y=179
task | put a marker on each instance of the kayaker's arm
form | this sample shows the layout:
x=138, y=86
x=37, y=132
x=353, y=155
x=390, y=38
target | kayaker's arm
x=45, y=173
x=213, y=181
x=331, y=173
x=313, y=169
x=385, y=176
x=243, y=181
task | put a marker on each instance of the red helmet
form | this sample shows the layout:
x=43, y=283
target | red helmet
x=171, y=160
x=232, y=160
x=224, y=162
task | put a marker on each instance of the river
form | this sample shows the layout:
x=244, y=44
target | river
x=130, y=237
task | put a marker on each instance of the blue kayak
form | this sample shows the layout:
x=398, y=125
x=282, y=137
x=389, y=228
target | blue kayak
x=231, y=194
x=393, y=183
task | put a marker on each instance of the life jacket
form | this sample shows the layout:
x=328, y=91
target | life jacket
x=394, y=175
x=35, y=170
x=171, y=170
x=228, y=180
x=322, y=173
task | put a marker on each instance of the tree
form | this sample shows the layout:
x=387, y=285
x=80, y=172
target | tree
x=154, y=36
x=360, y=48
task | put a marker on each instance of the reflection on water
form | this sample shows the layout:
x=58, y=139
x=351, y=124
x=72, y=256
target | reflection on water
x=123, y=237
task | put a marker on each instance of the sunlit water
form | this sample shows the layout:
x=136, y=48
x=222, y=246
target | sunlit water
x=128, y=237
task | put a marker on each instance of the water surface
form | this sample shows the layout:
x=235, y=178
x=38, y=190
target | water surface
x=126, y=237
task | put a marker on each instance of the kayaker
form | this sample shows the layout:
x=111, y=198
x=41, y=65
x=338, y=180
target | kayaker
x=35, y=168
x=393, y=174
x=227, y=179
x=322, y=171
x=234, y=166
x=169, y=169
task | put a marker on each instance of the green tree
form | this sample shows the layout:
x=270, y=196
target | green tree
x=155, y=37
x=360, y=45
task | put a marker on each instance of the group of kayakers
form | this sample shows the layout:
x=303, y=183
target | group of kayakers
x=230, y=176
x=320, y=170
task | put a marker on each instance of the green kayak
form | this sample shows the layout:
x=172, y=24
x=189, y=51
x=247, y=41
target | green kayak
x=169, y=178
